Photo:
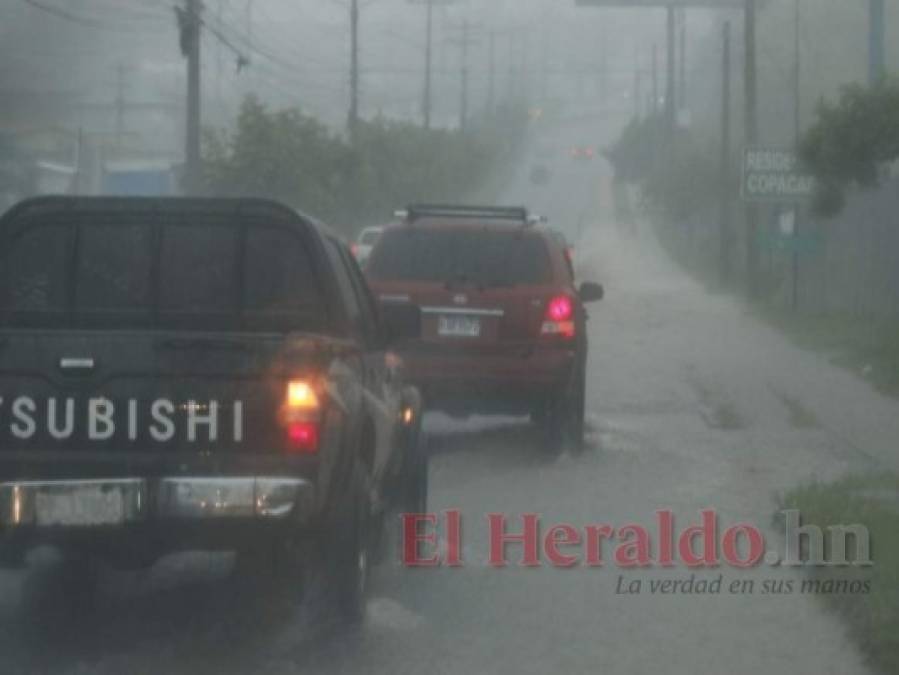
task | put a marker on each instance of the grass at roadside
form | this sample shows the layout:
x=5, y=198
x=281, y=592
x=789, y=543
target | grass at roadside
x=873, y=618
x=868, y=346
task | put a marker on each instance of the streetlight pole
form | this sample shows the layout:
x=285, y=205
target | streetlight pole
x=353, y=122
x=876, y=40
x=189, y=22
x=429, y=46
x=725, y=188
x=750, y=97
x=670, y=89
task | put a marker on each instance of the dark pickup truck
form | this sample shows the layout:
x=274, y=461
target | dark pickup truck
x=188, y=374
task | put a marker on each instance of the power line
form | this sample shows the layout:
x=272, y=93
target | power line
x=82, y=20
x=64, y=14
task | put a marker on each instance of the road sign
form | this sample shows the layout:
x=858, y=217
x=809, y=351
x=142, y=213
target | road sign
x=802, y=244
x=774, y=175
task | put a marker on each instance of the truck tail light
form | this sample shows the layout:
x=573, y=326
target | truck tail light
x=301, y=396
x=303, y=437
x=559, y=318
x=300, y=416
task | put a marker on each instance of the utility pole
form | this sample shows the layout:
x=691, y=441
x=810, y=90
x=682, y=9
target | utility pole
x=655, y=80
x=797, y=132
x=512, y=77
x=638, y=90
x=463, y=104
x=682, y=79
x=219, y=63
x=544, y=58
x=249, y=20
x=429, y=46
x=189, y=23
x=750, y=96
x=491, y=75
x=724, y=170
x=671, y=90
x=464, y=41
x=876, y=40
x=797, y=70
x=524, y=67
x=120, y=103
x=353, y=120
x=603, y=66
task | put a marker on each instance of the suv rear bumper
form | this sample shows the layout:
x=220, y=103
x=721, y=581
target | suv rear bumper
x=512, y=382
x=76, y=504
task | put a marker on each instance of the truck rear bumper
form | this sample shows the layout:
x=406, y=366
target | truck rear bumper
x=74, y=504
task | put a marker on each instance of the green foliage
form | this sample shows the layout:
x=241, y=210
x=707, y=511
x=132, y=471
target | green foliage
x=676, y=174
x=851, y=141
x=873, y=618
x=289, y=156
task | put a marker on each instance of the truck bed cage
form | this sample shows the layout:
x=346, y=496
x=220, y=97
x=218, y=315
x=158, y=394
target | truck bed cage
x=419, y=211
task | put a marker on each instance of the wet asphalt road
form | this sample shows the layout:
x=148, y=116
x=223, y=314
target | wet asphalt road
x=692, y=402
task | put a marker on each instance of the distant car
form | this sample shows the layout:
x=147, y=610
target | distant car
x=582, y=152
x=503, y=325
x=364, y=243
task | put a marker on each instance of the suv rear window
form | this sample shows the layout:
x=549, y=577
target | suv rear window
x=484, y=257
x=204, y=275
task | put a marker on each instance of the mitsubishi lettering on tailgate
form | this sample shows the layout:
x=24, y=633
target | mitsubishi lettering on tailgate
x=198, y=375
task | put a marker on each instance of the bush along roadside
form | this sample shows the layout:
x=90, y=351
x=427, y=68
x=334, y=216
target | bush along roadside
x=292, y=157
x=868, y=347
x=872, y=616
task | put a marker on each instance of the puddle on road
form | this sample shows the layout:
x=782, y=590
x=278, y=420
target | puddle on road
x=715, y=409
x=800, y=417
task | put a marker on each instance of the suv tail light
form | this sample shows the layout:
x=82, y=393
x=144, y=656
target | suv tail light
x=559, y=318
x=300, y=416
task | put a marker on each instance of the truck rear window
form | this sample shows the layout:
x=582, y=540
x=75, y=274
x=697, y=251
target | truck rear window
x=197, y=269
x=485, y=257
x=35, y=268
x=113, y=268
x=202, y=275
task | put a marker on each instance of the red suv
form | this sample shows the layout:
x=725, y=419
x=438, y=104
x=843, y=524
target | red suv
x=502, y=323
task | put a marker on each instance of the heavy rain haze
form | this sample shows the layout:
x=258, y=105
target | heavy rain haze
x=643, y=395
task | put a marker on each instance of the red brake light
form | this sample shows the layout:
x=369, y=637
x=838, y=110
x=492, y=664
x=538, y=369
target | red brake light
x=354, y=249
x=559, y=321
x=303, y=437
x=560, y=308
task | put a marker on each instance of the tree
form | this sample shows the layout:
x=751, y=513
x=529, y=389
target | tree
x=291, y=157
x=851, y=141
x=676, y=174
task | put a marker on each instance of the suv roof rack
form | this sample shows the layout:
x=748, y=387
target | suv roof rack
x=418, y=211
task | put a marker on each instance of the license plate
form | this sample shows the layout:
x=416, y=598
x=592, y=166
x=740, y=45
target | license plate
x=83, y=506
x=459, y=326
